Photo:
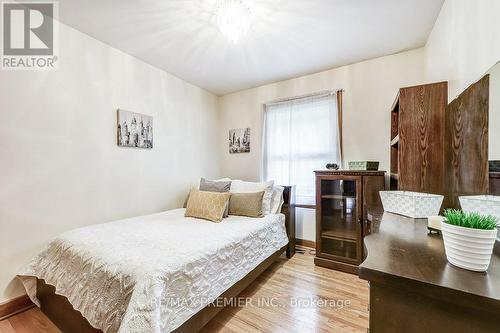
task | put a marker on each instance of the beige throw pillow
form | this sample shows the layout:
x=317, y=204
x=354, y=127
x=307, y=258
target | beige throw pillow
x=246, y=204
x=240, y=186
x=206, y=205
x=216, y=186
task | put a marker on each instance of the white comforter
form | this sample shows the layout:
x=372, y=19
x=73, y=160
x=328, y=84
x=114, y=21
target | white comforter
x=152, y=273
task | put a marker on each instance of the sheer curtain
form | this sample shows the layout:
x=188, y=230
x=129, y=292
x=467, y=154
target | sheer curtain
x=300, y=136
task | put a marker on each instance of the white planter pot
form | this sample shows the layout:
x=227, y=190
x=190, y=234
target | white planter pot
x=411, y=204
x=468, y=248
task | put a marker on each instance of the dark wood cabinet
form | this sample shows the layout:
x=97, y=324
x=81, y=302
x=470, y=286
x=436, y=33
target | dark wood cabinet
x=343, y=201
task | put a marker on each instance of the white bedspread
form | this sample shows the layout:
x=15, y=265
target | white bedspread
x=152, y=273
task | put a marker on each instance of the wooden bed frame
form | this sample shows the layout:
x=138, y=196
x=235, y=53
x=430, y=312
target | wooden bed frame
x=61, y=312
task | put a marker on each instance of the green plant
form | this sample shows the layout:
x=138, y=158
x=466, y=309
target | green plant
x=470, y=220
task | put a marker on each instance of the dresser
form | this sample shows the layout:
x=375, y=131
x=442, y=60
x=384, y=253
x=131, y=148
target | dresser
x=414, y=289
x=344, y=200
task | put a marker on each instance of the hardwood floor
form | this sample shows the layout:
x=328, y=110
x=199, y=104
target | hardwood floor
x=278, y=301
x=30, y=321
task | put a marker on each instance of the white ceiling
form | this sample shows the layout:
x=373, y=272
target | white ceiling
x=287, y=38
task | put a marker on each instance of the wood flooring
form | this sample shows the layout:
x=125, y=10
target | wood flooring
x=291, y=296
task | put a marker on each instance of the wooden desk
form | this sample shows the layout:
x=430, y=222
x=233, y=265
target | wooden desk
x=414, y=289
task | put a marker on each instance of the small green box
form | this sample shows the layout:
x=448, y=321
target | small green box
x=363, y=165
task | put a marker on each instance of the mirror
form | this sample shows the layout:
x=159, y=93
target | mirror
x=494, y=118
x=494, y=130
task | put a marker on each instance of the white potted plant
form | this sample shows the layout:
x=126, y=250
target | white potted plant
x=469, y=239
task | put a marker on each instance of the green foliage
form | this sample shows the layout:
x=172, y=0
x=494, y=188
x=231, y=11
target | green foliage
x=470, y=220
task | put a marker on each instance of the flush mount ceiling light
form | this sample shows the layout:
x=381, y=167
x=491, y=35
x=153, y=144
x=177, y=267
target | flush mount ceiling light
x=233, y=19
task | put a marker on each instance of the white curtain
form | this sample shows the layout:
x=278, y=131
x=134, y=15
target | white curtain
x=300, y=136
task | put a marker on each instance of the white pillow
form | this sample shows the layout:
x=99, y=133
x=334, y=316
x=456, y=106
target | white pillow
x=277, y=200
x=240, y=186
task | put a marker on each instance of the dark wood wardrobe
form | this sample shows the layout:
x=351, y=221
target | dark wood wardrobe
x=438, y=147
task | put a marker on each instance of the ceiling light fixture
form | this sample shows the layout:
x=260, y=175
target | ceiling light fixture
x=233, y=19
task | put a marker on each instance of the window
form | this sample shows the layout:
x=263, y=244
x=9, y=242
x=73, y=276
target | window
x=300, y=136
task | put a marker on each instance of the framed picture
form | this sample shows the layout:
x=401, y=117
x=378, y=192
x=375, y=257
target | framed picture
x=239, y=140
x=134, y=129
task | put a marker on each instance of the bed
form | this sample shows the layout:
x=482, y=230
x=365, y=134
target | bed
x=154, y=273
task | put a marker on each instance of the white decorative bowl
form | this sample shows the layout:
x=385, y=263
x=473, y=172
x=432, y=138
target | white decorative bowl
x=412, y=204
x=468, y=248
x=482, y=204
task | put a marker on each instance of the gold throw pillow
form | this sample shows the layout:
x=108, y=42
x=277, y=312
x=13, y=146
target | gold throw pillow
x=206, y=205
x=246, y=204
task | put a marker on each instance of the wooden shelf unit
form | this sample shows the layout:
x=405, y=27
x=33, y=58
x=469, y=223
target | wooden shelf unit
x=346, y=234
x=417, y=138
x=438, y=147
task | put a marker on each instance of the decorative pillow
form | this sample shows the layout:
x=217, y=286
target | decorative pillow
x=216, y=186
x=206, y=205
x=198, y=187
x=277, y=200
x=246, y=204
x=239, y=186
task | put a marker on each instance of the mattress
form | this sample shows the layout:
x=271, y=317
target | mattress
x=152, y=273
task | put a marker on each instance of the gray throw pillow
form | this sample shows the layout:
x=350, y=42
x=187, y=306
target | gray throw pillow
x=216, y=186
x=213, y=186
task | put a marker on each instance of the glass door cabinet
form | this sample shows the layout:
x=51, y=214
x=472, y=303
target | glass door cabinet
x=340, y=215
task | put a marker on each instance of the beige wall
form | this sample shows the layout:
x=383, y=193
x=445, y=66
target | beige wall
x=60, y=166
x=464, y=43
x=370, y=88
x=463, y=46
